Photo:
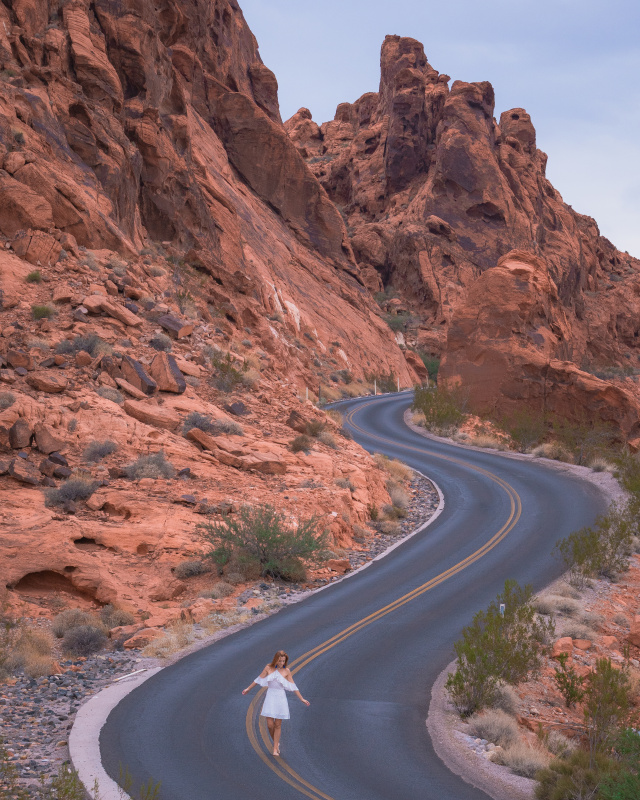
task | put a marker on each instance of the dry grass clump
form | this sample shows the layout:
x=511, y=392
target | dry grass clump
x=328, y=394
x=71, y=618
x=327, y=439
x=112, y=617
x=190, y=569
x=395, y=469
x=505, y=699
x=178, y=636
x=84, y=640
x=96, y=451
x=556, y=604
x=70, y=492
x=488, y=441
x=553, y=450
x=31, y=651
x=577, y=631
x=621, y=620
x=215, y=427
x=559, y=744
x=523, y=759
x=598, y=464
x=495, y=726
x=301, y=444
x=389, y=527
x=336, y=416
x=345, y=483
x=399, y=497
x=152, y=466
x=218, y=591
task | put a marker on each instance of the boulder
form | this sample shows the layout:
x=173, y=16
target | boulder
x=143, y=638
x=165, y=372
x=339, y=565
x=23, y=471
x=37, y=247
x=297, y=422
x=176, y=327
x=18, y=358
x=47, y=382
x=152, y=415
x=46, y=441
x=563, y=645
x=135, y=374
x=634, y=633
x=20, y=434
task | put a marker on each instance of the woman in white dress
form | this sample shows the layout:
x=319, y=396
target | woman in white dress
x=278, y=680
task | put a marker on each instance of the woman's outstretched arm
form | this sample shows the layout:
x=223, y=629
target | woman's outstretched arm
x=263, y=674
x=289, y=677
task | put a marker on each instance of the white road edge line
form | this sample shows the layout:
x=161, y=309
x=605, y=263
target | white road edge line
x=84, y=739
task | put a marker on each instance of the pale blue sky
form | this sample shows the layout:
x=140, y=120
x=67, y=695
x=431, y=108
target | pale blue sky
x=574, y=65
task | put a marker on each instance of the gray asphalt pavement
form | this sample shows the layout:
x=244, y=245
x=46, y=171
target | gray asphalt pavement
x=365, y=659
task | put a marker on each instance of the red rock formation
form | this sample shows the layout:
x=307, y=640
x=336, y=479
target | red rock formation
x=436, y=191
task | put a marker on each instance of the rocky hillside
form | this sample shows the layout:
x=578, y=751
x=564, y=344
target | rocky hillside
x=165, y=256
x=435, y=191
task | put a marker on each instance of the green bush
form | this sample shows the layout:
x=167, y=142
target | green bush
x=227, y=376
x=151, y=466
x=42, y=312
x=70, y=491
x=398, y=322
x=575, y=777
x=432, y=365
x=84, y=640
x=568, y=682
x=34, y=277
x=262, y=536
x=584, y=437
x=625, y=785
x=443, y=408
x=527, y=428
x=96, y=451
x=602, y=550
x=385, y=382
x=497, y=648
x=607, y=704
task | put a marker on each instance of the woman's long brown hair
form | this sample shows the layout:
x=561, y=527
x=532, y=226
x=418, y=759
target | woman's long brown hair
x=274, y=663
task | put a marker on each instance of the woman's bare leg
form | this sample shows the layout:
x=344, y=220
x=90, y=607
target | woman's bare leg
x=276, y=737
x=271, y=726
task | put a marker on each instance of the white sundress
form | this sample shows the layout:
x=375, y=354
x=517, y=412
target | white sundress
x=275, y=703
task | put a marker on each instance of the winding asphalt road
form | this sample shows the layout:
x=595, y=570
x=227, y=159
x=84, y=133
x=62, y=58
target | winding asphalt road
x=365, y=652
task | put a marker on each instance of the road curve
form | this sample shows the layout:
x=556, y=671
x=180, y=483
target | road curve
x=366, y=651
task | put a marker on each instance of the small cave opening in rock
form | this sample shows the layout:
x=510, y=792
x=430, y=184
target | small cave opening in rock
x=85, y=543
x=142, y=549
x=41, y=587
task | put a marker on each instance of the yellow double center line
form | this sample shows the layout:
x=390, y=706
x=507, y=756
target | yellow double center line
x=254, y=722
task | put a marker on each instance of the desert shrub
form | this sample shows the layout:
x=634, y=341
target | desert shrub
x=394, y=512
x=345, y=483
x=488, y=441
x=265, y=537
x=568, y=682
x=42, y=312
x=607, y=704
x=71, y=618
x=389, y=527
x=216, y=427
x=70, y=491
x=234, y=577
x=526, y=428
x=227, y=376
x=394, y=468
x=584, y=438
x=301, y=444
x=398, y=322
x=219, y=590
x=621, y=620
x=7, y=399
x=494, y=726
x=523, y=759
x=399, y=497
x=601, y=465
x=327, y=439
x=91, y=344
x=602, y=550
x=157, y=272
x=110, y=394
x=576, y=777
x=554, y=451
x=625, y=785
x=385, y=382
x=31, y=651
x=576, y=630
x=151, y=466
x=432, y=364
x=96, y=451
x=315, y=427
x=161, y=342
x=559, y=744
x=443, y=408
x=84, y=640
x=496, y=648
x=505, y=698
x=189, y=569
x=335, y=415
x=34, y=276
x=178, y=636
x=112, y=617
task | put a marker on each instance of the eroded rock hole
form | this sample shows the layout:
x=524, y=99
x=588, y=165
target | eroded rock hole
x=85, y=543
